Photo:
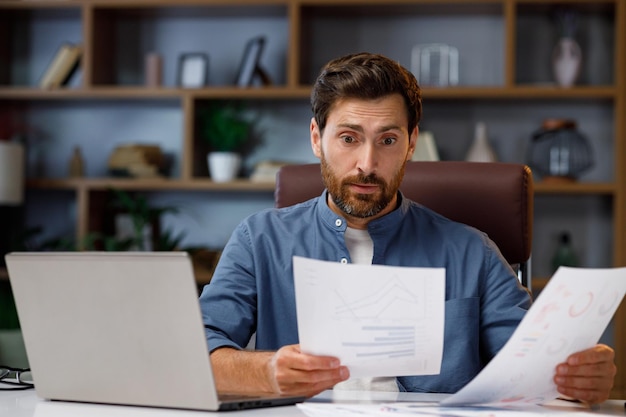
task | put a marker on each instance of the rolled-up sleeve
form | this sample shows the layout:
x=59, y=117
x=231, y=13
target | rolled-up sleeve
x=229, y=302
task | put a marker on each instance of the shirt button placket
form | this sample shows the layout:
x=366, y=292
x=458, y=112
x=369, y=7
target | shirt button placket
x=338, y=223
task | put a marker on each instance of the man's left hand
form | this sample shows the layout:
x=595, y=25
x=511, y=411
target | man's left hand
x=587, y=375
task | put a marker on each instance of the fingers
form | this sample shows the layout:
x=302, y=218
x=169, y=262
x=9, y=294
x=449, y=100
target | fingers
x=296, y=373
x=597, y=354
x=588, y=375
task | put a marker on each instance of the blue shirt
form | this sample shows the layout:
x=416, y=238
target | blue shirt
x=252, y=288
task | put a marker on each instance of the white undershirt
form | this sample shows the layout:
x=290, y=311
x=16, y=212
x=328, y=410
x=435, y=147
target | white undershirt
x=360, y=245
x=361, y=248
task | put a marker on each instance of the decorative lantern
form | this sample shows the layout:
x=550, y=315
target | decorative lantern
x=558, y=151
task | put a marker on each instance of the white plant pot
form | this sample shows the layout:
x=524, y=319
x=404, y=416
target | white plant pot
x=223, y=166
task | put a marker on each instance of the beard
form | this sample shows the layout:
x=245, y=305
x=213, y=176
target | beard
x=355, y=204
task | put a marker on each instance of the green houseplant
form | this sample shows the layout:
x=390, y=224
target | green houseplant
x=228, y=134
x=143, y=220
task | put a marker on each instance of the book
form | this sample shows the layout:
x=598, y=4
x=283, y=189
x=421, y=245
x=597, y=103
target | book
x=137, y=161
x=62, y=66
x=265, y=171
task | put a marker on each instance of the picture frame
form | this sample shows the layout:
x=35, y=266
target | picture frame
x=250, y=63
x=193, y=70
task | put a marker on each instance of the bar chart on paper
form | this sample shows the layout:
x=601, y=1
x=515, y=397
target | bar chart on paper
x=379, y=320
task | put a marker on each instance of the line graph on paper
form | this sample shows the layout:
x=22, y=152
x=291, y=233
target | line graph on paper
x=387, y=314
x=378, y=320
x=391, y=299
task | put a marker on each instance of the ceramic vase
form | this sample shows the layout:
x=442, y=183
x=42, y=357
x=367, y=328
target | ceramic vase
x=480, y=150
x=223, y=166
x=566, y=61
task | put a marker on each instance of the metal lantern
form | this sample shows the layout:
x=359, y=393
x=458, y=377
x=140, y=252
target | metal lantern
x=559, y=151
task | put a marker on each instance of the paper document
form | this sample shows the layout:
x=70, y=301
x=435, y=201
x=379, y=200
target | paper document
x=315, y=409
x=570, y=315
x=378, y=320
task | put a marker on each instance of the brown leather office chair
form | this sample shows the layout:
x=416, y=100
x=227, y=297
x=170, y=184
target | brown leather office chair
x=496, y=198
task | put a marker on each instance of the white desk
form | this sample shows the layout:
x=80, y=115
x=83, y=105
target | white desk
x=27, y=404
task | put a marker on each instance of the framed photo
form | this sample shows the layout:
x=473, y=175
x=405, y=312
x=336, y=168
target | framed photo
x=250, y=66
x=193, y=70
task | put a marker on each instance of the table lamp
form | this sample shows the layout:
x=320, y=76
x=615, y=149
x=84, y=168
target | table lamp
x=11, y=173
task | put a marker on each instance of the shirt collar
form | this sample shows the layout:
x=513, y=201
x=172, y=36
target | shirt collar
x=388, y=222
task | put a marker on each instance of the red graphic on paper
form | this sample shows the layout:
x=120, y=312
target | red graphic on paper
x=581, y=305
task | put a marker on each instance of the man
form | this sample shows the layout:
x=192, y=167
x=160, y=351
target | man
x=365, y=126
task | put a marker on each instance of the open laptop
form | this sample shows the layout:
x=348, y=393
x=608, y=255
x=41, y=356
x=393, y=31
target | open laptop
x=118, y=328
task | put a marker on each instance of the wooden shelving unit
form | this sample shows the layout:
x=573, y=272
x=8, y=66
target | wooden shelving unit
x=115, y=32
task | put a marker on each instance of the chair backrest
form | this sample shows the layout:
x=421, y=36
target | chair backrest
x=496, y=198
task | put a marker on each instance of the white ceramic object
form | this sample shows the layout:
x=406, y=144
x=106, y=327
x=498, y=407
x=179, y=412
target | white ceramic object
x=566, y=61
x=223, y=166
x=480, y=150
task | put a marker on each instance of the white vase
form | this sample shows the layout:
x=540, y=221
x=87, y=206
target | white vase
x=11, y=173
x=480, y=150
x=566, y=61
x=223, y=166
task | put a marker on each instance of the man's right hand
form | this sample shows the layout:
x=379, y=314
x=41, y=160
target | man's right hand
x=287, y=371
x=295, y=373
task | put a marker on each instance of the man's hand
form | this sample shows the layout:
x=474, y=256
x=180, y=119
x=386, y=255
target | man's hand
x=287, y=371
x=587, y=375
x=295, y=373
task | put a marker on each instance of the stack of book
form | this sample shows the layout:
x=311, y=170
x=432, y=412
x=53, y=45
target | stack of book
x=265, y=171
x=62, y=66
x=139, y=161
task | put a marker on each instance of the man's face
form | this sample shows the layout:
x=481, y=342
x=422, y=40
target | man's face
x=363, y=152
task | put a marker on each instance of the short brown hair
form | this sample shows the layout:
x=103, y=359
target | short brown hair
x=364, y=76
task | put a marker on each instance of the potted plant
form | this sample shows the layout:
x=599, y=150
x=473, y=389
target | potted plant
x=228, y=133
